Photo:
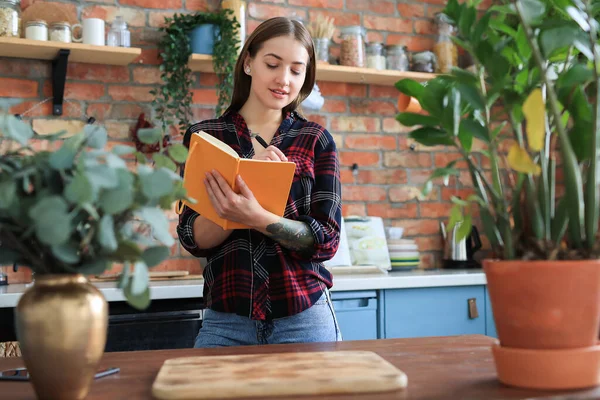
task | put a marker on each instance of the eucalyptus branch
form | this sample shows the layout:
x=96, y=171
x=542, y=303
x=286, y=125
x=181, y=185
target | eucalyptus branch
x=16, y=244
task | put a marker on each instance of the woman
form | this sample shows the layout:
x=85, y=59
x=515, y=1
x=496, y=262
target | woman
x=267, y=284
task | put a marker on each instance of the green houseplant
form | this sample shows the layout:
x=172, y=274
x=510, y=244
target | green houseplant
x=172, y=102
x=527, y=114
x=71, y=211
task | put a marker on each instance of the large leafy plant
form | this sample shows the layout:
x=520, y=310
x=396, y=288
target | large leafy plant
x=80, y=208
x=172, y=102
x=526, y=114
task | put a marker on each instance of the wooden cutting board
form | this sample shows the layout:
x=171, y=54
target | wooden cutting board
x=154, y=276
x=284, y=374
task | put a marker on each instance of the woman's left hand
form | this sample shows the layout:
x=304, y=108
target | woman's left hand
x=242, y=208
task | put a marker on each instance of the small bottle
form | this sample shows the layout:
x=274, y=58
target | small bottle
x=353, y=46
x=444, y=48
x=60, y=32
x=10, y=18
x=119, y=35
x=397, y=58
x=375, y=57
x=36, y=30
x=424, y=61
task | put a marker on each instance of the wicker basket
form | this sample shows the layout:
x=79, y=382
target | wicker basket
x=10, y=349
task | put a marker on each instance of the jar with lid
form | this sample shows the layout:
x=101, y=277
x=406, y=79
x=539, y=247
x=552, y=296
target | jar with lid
x=353, y=46
x=10, y=18
x=36, y=29
x=119, y=35
x=444, y=48
x=61, y=32
x=397, y=58
x=424, y=61
x=375, y=56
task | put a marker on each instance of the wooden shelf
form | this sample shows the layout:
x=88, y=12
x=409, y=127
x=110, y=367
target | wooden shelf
x=83, y=53
x=333, y=73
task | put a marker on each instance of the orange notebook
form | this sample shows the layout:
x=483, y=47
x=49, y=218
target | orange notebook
x=269, y=181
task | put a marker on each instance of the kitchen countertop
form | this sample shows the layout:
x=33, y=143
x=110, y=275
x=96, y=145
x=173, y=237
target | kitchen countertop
x=457, y=367
x=172, y=289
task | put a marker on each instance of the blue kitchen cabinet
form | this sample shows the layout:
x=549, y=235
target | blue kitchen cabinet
x=356, y=313
x=434, y=311
x=490, y=325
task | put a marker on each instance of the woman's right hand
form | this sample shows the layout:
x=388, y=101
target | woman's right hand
x=271, y=153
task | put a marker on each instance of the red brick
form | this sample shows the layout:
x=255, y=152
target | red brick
x=100, y=111
x=418, y=227
x=448, y=193
x=78, y=90
x=181, y=264
x=419, y=176
x=265, y=11
x=208, y=79
x=341, y=18
x=384, y=176
x=10, y=87
x=363, y=193
x=40, y=111
x=164, y=4
x=130, y=93
x=386, y=210
x=251, y=25
x=433, y=9
x=202, y=5
x=126, y=111
x=372, y=107
x=429, y=260
x=148, y=56
x=393, y=24
x=29, y=69
x=413, y=43
x=132, y=16
x=376, y=6
x=440, y=2
x=346, y=176
x=411, y=10
x=384, y=92
x=156, y=19
x=374, y=37
x=354, y=124
x=435, y=210
x=342, y=89
x=354, y=209
x=391, y=125
x=335, y=106
x=205, y=96
x=362, y=158
x=318, y=3
x=406, y=159
x=425, y=27
x=370, y=142
x=430, y=243
x=401, y=194
x=442, y=159
x=102, y=73
x=317, y=118
x=146, y=75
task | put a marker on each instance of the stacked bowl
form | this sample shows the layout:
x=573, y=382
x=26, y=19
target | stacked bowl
x=404, y=254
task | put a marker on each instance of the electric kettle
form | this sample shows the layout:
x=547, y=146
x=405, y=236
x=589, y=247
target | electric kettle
x=458, y=254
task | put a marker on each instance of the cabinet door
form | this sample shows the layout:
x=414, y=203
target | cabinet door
x=356, y=314
x=439, y=311
x=490, y=325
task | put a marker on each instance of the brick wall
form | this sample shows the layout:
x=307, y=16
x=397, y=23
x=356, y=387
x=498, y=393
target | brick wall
x=360, y=117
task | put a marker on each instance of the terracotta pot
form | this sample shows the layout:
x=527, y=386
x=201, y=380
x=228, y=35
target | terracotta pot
x=61, y=324
x=409, y=104
x=545, y=304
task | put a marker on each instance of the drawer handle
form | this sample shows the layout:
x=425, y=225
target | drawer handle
x=473, y=312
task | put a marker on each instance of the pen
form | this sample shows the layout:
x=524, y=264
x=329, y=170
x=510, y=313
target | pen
x=259, y=140
x=108, y=371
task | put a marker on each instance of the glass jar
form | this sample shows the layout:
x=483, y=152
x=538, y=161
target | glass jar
x=61, y=32
x=424, y=61
x=353, y=46
x=397, y=58
x=375, y=56
x=10, y=18
x=322, y=49
x=36, y=29
x=118, y=35
x=444, y=48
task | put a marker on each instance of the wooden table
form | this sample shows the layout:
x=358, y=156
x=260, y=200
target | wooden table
x=458, y=367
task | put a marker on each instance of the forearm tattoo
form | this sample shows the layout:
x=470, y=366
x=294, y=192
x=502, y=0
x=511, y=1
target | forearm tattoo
x=293, y=235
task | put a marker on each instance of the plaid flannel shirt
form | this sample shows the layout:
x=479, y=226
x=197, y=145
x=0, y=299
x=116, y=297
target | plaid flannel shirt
x=250, y=274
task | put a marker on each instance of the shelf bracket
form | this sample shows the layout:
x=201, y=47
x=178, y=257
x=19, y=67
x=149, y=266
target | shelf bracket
x=59, y=77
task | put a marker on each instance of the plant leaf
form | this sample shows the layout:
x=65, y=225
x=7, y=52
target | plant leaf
x=95, y=267
x=106, y=233
x=157, y=184
x=8, y=191
x=474, y=129
x=412, y=119
x=410, y=88
x=535, y=114
x=79, y=190
x=455, y=217
x=532, y=10
x=52, y=223
x=122, y=150
x=429, y=136
x=150, y=135
x=96, y=136
x=178, y=153
x=66, y=252
x=140, y=301
x=114, y=201
x=157, y=219
x=139, y=283
x=519, y=160
x=472, y=96
x=465, y=227
x=153, y=256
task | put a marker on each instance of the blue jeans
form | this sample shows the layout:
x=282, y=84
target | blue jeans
x=315, y=324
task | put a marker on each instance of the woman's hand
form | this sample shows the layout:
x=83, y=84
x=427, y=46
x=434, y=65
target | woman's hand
x=271, y=153
x=242, y=208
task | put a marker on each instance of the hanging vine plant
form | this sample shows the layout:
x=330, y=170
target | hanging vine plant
x=172, y=101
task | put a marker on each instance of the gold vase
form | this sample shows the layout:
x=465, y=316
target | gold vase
x=61, y=323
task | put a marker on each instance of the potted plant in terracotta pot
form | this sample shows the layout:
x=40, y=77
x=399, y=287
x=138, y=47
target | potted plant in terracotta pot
x=73, y=210
x=527, y=124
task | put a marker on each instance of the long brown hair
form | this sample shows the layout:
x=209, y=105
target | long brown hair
x=272, y=28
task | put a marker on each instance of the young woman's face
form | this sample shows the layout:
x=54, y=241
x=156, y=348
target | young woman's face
x=278, y=71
